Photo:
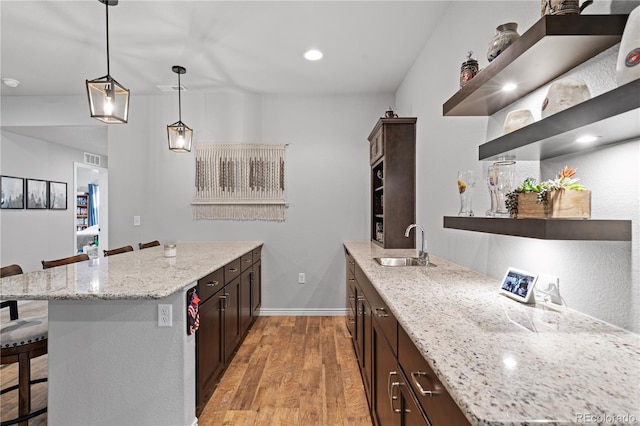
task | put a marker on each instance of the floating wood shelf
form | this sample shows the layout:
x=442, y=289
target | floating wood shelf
x=551, y=47
x=546, y=229
x=613, y=116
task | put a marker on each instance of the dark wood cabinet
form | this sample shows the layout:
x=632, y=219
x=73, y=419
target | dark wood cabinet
x=231, y=318
x=256, y=283
x=245, y=299
x=230, y=299
x=385, y=374
x=209, y=351
x=393, y=174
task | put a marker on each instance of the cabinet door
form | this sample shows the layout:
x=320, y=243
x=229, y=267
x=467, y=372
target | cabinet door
x=411, y=414
x=209, y=353
x=367, y=346
x=385, y=373
x=351, y=307
x=245, y=300
x=256, y=287
x=231, y=318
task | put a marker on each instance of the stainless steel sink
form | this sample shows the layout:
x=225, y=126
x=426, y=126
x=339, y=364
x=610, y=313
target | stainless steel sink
x=400, y=261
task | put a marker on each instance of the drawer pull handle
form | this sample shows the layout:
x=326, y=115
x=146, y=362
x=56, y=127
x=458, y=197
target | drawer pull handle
x=247, y=261
x=390, y=391
x=414, y=376
x=352, y=279
x=233, y=269
x=380, y=313
x=223, y=297
x=213, y=283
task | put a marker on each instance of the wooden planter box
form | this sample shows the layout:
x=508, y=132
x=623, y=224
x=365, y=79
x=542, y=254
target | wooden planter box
x=559, y=204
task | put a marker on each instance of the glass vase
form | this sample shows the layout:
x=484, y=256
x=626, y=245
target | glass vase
x=505, y=173
x=466, y=182
x=492, y=182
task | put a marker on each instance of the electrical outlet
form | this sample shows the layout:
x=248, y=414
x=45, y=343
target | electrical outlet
x=548, y=288
x=301, y=278
x=165, y=315
x=136, y=221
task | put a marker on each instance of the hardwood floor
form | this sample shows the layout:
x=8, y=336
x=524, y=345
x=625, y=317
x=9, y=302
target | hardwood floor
x=288, y=371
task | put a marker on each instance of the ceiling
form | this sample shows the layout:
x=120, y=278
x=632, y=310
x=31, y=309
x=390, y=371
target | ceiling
x=53, y=46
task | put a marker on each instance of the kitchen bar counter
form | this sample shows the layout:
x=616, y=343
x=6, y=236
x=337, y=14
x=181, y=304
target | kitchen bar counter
x=503, y=362
x=140, y=274
x=110, y=362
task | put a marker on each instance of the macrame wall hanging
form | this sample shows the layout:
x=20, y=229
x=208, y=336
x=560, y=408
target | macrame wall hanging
x=239, y=182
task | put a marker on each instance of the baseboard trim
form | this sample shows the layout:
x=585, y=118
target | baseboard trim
x=309, y=312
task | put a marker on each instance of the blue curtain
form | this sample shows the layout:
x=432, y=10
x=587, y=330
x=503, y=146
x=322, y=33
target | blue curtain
x=94, y=196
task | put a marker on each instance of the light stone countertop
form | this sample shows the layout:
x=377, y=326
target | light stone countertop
x=503, y=362
x=140, y=274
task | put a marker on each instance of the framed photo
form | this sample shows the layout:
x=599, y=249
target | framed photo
x=518, y=285
x=12, y=189
x=36, y=194
x=57, y=195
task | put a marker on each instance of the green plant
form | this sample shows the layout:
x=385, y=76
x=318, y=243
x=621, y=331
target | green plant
x=565, y=180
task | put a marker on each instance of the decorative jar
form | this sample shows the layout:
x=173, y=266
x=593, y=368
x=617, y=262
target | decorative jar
x=468, y=70
x=170, y=250
x=506, y=34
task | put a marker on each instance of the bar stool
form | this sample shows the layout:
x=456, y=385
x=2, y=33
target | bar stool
x=149, y=244
x=117, y=250
x=22, y=339
x=46, y=264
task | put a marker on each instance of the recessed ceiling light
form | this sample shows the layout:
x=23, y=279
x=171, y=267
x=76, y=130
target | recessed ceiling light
x=10, y=82
x=587, y=139
x=313, y=55
x=509, y=87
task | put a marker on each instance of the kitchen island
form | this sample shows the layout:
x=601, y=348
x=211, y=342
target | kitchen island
x=109, y=361
x=503, y=362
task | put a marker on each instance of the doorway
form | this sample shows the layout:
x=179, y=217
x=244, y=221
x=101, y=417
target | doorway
x=84, y=232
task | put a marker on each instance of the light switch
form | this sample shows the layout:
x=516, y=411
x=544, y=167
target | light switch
x=136, y=221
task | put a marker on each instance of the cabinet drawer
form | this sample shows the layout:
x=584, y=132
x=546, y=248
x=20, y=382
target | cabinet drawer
x=210, y=284
x=246, y=261
x=432, y=396
x=231, y=271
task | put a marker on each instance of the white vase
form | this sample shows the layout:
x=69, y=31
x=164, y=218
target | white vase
x=628, y=65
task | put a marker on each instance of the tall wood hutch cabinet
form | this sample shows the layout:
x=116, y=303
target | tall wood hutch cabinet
x=392, y=145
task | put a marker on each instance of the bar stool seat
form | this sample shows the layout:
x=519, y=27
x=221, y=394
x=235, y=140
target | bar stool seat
x=22, y=339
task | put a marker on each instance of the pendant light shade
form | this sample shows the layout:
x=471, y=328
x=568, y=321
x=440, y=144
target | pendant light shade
x=180, y=136
x=108, y=99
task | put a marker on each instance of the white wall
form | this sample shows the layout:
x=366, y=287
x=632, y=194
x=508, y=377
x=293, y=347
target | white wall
x=601, y=279
x=29, y=236
x=326, y=184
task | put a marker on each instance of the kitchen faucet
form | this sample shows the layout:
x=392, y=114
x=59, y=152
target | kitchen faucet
x=423, y=256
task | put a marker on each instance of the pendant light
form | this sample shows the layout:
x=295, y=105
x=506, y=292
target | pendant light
x=108, y=99
x=179, y=134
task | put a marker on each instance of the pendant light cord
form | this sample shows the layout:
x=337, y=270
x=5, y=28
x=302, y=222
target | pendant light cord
x=106, y=3
x=179, y=99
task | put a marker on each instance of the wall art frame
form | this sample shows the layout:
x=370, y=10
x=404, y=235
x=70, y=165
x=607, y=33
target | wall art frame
x=57, y=195
x=12, y=190
x=37, y=194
